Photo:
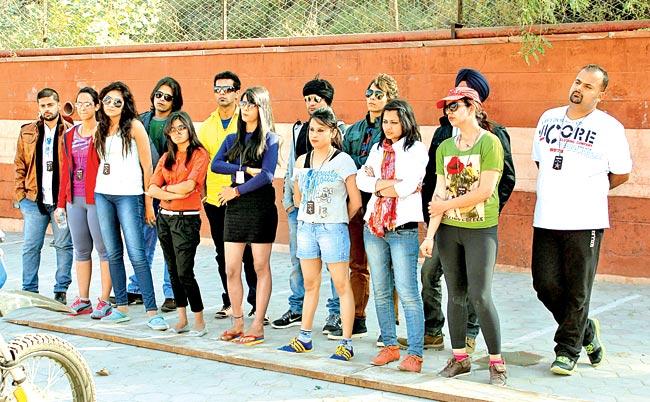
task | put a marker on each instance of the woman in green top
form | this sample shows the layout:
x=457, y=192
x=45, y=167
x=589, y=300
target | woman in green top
x=464, y=216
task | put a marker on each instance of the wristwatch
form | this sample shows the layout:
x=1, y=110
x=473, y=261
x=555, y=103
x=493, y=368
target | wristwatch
x=378, y=194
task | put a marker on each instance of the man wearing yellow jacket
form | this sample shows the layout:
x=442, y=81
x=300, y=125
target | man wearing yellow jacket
x=222, y=122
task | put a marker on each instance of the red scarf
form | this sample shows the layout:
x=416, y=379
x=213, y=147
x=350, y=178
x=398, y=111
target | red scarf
x=384, y=215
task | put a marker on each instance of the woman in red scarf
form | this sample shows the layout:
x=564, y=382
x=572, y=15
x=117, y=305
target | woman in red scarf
x=393, y=173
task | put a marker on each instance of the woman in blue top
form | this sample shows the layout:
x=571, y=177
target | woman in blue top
x=250, y=157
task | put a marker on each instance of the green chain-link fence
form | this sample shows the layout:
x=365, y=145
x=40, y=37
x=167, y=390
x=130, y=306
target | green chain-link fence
x=68, y=23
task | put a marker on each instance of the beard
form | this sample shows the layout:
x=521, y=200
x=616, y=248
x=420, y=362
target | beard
x=575, y=97
x=51, y=118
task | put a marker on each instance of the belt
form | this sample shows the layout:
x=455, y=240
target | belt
x=408, y=225
x=178, y=213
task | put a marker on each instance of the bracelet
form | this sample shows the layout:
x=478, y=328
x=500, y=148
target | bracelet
x=236, y=192
x=164, y=188
x=378, y=194
x=428, y=238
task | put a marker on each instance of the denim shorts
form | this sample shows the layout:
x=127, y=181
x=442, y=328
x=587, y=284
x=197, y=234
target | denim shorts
x=328, y=241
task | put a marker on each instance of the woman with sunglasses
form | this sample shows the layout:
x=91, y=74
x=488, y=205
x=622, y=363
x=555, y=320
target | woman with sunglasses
x=464, y=217
x=77, y=202
x=393, y=174
x=124, y=170
x=250, y=156
x=327, y=196
x=177, y=182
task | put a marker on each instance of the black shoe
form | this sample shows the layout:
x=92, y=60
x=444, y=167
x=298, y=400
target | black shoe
x=168, y=305
x=563, y=365
x=61, y=297
x=134, y=298
x=266, y=317
x=332, y=324
x=288, y=319
x=596, y=349
x=359, y=330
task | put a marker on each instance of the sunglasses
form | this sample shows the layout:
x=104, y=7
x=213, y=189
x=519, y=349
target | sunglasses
x=313, y=98
x=83, y=105
x=224, y=89
x=379, y=95
x=452, y=107
x=167, y=97
x=178, y=129
x=246, y=105
x=117, y=102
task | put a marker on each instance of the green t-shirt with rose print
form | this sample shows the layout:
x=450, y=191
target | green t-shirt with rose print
x=462, y=171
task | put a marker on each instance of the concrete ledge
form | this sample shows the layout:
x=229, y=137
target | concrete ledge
x=425, y=385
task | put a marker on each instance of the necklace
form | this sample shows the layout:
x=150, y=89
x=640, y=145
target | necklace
x=559, y=157
x=329, y=154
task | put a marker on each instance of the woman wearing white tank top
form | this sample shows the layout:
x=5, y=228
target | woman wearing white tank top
x=124, y=171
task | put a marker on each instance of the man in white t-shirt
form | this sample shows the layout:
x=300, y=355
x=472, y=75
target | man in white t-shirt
x=581, y=153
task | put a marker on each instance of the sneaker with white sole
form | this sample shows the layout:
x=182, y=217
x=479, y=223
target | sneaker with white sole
x=116, y=316
x=225, y=312
x=288, y=319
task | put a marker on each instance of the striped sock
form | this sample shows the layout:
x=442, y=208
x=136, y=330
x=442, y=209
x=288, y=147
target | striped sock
x=347, y=342
x=304, y=336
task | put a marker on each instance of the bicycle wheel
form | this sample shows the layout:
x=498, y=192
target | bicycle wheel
x=55, y=370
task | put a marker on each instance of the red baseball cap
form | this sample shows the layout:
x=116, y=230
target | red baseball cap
x=458, y=93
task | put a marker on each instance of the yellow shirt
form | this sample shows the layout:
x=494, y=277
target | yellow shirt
x=211, y=134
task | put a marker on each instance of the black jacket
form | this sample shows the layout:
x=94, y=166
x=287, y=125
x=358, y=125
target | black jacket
x=506, y=183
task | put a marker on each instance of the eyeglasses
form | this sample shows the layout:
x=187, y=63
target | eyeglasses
x=117, y=102
x=379, y=95
x=246, y=105
x=223, y=89
x=167, y=97
x=178, y=129
x=313, y=98
x=452, y=107
x=83, y=105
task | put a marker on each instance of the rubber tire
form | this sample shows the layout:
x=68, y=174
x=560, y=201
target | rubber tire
x=63, y=353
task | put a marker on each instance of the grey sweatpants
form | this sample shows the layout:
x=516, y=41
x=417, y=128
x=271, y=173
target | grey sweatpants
x=84, y=229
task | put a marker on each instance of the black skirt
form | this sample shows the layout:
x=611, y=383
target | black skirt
x=252, y=217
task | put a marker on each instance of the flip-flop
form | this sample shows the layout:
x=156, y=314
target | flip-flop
x=250, y=340
x=230, y=336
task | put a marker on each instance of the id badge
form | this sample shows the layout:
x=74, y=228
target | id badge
x=462, y=190
x=106, y=170
x=79, y=174
x=49, y=166
x=310, y=208
x=239, y=177
x=557, y=162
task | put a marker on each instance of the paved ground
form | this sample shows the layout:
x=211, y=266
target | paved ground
x=527, y=331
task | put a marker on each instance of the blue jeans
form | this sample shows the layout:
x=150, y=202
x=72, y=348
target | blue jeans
x=296, y=282
x=150, y=239
x=125, y=212
x=34, y=236
x=3, y=272
x=399, y=248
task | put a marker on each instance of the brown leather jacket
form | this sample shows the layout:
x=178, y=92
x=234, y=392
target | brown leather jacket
x=25, y=161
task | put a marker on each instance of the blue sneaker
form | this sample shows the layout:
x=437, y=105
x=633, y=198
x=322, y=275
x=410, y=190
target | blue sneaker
x=343, y=353
x=158, y=323
x=297, y=346
x=116, y=316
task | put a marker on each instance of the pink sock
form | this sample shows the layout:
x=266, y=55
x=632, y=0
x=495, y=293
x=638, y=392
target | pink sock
x=460, y=356
x=498, y=361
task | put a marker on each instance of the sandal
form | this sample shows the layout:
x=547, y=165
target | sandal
x=230, y=336
x=250, y=340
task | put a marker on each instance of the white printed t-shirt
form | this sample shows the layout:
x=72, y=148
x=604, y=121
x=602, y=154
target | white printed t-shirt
x=574, y=197
x=323, y=191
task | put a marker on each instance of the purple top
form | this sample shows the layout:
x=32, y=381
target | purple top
x=268, y=164
x=79, y=162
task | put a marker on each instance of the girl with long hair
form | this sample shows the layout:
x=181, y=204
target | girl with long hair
x=124, y=170
x=393, y=173
x=464, y=217
x=250, y=156
x=327, y=195
x=177, y=182
x=77, y=203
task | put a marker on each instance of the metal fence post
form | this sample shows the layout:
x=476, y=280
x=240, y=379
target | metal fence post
x=394, y=10
x=44, y=38
x=224, y=16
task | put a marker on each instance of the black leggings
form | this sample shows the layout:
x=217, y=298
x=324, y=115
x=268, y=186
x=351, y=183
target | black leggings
x=468, y=257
